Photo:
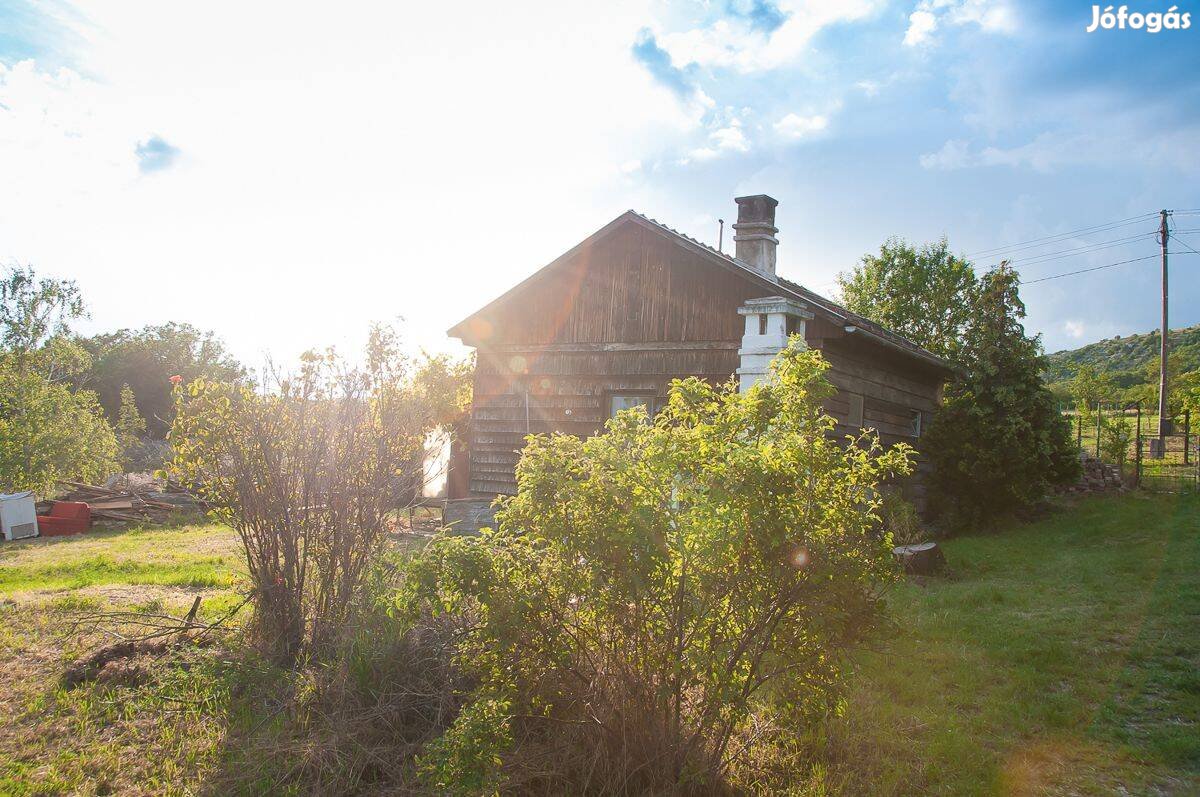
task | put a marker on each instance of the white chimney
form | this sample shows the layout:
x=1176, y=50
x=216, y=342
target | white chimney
x=770, y=323
x=754, y=233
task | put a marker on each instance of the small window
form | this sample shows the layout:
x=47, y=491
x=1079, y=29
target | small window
x=790, y=325
x=762, y=323
x=623, y=401
x=855, y=417
x=914, y=424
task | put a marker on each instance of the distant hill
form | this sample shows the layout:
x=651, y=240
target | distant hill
x=1126, y=357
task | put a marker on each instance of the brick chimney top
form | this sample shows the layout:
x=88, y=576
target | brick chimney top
x=754, y=233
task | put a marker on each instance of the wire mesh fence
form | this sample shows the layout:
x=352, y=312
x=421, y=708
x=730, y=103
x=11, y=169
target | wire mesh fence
x=1163, y=459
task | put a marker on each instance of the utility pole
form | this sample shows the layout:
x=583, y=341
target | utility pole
x=1164, y=346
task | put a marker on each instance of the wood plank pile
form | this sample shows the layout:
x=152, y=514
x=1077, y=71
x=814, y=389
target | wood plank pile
x=152, y=503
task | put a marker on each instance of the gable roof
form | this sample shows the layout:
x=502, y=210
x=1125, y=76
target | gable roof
x=852, y=322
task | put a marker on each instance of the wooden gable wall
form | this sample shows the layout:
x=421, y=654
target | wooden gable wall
x=633, y=285
x=627, y=315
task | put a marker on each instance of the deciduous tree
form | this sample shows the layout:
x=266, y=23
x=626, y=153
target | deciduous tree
x=925, y=293
x=998, y=442
x=48, y=432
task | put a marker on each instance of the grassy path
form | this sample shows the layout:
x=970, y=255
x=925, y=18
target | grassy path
x=1060, y=657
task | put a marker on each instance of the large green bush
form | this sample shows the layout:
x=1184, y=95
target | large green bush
x=998, y=443
x=665, y=600
x=48, y=431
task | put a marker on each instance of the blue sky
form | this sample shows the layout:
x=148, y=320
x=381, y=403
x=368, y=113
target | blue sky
x=285, y=175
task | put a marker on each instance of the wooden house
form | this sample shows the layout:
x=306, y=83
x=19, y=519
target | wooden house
x=611, y=322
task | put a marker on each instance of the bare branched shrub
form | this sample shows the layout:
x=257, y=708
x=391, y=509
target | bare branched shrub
x=309, y=473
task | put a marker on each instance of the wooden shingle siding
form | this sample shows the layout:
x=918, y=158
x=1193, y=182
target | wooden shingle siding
x=633, y=285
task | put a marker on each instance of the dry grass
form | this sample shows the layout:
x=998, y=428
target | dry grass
x=187, y=720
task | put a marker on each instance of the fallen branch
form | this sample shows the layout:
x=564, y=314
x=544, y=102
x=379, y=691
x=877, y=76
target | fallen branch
x=158, y=634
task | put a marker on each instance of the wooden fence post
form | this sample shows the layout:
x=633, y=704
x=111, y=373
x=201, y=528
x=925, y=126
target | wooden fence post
x=1137, y=481
x=1187, y=434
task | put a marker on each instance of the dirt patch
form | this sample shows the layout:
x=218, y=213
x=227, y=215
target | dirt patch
x=125, y=663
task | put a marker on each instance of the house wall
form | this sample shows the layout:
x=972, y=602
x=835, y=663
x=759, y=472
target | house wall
x=628, y=315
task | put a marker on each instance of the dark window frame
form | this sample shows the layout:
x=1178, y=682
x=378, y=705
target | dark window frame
x=654, y=400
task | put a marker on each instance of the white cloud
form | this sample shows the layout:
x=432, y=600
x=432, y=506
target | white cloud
x=991, y=16
x=1048, y=152
x=794, y=126
x=1074, y=329
x=324, y=178
x=921, y=25
x=868, y=87
x=954, y=154
x=734, y=43
x=730, y=138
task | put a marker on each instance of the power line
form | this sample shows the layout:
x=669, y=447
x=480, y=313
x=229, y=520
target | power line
x=1035, y=242
x=1081, y=250
x=1086, y=270
x=1098, y=268
x=1185, y=243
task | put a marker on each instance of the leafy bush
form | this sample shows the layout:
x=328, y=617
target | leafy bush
x=663, y=599
x=998, y=442
x=309, y=475
x=1116, y=437
x=48, y=432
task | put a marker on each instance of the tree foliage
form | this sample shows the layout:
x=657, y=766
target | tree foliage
x=1091, y=387
x=925, y=294
x=48, y=432
x=665, y=595
x=130, y=427
x=309, y=475
x=146, y=359
x=998, y=442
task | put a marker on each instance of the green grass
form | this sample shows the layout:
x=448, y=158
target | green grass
x=1061, y=656
x=154, y=738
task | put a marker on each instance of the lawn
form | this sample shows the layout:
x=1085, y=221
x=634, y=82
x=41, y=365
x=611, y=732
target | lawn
x=1060, y=657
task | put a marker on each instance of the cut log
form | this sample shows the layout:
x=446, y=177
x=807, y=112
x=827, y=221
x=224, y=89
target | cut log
x=923, y=559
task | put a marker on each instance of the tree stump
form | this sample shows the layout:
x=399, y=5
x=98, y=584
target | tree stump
x=922, y=559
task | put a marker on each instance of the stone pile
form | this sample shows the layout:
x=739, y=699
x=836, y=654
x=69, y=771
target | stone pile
x=1097, y=477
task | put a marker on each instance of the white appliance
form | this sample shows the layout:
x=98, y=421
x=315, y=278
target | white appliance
x=18, y=516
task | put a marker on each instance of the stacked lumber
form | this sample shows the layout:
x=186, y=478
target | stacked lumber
x=137, y=503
